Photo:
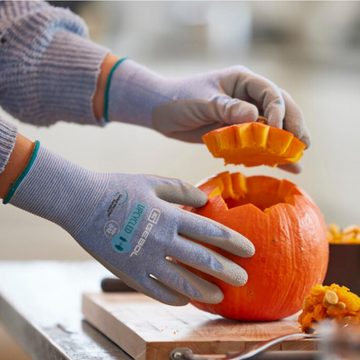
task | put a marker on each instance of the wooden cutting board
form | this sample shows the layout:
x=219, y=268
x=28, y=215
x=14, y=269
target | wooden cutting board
x=147, y=329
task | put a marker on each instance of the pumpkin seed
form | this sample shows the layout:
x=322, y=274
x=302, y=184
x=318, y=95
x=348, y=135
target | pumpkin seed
x=330, y=298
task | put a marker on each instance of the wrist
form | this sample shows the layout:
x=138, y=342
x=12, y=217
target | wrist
x=16, y=165
x=58, y=190
x=99, y=96
x=133, y=92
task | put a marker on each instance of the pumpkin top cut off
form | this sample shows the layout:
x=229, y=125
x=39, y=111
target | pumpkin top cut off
x=254, y=144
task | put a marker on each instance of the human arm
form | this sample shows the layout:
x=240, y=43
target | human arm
x=19, y=158
x=54, y=73
x=49, y=68
x=187, y=107
x=129, y=223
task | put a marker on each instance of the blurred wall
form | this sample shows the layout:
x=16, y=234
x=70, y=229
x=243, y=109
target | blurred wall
x=310, y=49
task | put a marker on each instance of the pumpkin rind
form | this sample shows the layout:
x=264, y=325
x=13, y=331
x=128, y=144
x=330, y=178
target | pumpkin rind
x=253, y=144
x=289, y=235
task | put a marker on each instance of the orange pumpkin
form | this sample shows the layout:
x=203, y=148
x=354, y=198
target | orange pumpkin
x=253, y=144
x=289, y=235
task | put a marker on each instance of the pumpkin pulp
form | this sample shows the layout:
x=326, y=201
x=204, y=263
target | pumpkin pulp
x=262, y=192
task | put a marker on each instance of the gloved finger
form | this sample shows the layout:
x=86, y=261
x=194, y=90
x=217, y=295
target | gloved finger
x=207, y=261
x=147, y=285
x=178, y=192
x=228, y=110
x=294, y=119
x=263, y=92
x=190, y=119
x=188, y=284
x=306, y=137
x=292, y=168
x=275, y=112
x=195, y=135
x=158, y=291
x=187, y=115
x=210, y=232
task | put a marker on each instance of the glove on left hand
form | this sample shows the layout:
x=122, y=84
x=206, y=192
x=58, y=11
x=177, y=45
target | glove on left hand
x=128, y=224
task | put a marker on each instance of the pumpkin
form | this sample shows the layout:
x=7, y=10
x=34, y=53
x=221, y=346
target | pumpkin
x=253, y=144
x=289, y=235
x=330, y=302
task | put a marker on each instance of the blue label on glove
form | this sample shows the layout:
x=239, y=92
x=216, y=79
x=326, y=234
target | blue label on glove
x=121, y=242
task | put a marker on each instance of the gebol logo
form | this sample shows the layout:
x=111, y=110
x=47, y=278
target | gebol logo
x=121, y=242
x=153, y=219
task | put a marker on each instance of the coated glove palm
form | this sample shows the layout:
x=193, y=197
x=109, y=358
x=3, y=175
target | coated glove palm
x=127, y=222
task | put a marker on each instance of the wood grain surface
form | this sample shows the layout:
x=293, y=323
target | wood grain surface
x=40, y=307
x=147, y=329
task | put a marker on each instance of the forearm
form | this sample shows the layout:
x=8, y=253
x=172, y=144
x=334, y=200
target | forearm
x=51, y=68
x=98, y=100
x=18, y=160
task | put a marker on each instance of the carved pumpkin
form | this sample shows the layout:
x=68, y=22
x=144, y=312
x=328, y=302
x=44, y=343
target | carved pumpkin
x=253, y=144
x=289, y=235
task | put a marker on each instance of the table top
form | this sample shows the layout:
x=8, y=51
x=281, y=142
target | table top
x=40, y=306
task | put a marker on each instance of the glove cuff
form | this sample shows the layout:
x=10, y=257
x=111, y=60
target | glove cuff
x=107, y=89
x=18, y=181
x=60, y=191
x=132, y=93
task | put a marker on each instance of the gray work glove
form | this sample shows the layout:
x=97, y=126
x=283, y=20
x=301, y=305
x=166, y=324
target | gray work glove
x=186, y=108
x=127, y=222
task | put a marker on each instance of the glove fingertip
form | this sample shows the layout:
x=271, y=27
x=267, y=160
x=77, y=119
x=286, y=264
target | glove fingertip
x=199, y=199
x=248, y=250
x=306, y=140
x=242, y=246
x=250, y=112
x=291, y=168
x=241, y=112
x=239, y=276
x=215, y=296
x=275, y=119
x=179, y=301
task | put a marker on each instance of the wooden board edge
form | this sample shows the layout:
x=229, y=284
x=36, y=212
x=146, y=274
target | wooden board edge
x=161, y=350
x=121, y=335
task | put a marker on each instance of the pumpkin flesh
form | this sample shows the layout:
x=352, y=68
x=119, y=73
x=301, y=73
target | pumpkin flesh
x=253, y=144
x=343, y=306
x=289, y=235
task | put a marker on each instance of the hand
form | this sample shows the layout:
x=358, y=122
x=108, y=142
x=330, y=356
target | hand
x=127, y=222
x=186, y=108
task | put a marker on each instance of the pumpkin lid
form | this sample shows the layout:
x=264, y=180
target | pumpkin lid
x=254, y=144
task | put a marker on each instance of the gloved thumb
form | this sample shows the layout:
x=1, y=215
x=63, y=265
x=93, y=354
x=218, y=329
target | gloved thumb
x=233, y=111
x=178, y=192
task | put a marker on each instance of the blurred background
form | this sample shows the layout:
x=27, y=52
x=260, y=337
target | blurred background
x=311, y=49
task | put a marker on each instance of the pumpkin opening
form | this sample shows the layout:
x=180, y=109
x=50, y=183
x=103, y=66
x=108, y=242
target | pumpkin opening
x=261, y=202
x=262, y=192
